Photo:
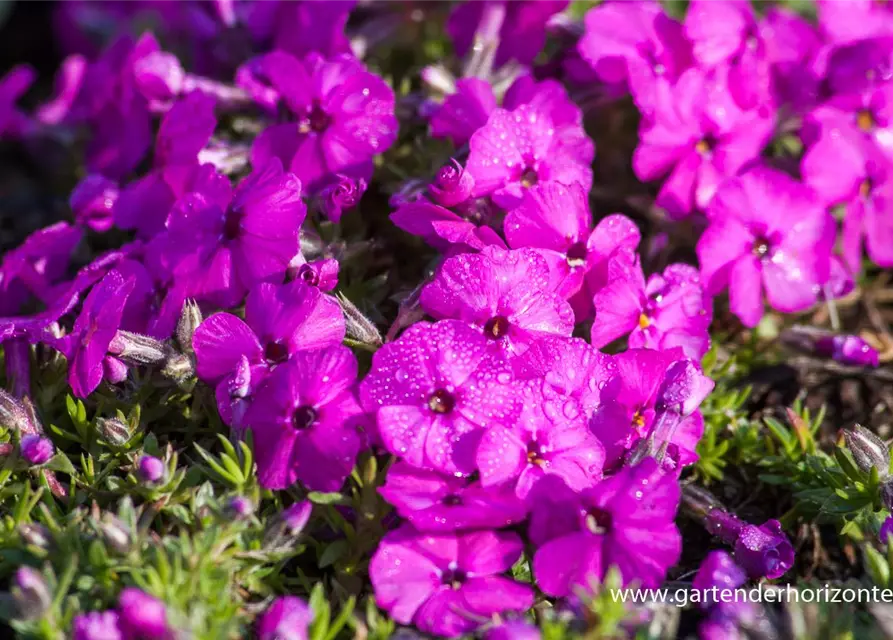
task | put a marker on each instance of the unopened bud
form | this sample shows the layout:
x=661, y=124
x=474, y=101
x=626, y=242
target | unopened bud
x=114, y=370
x=190, y=318
x=31, y=594
x=296, y=516
x=13, y=414
x=341, y=196
x=36, y=450
x=453, y=185
x=150, y=469
x=137, y=349
x=178, y=367
x=358, y=326
x=116, y=534
x=114, y=431
x=868, y=450
x=35, y=535
x=240, y=508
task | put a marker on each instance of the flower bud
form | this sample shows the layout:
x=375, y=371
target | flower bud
x=358, y=326
x=296, y=516
x=114, y=370
x=868, y=450
x=849, y=350
x=96, y=625
x=452, y=185
x=178, y=367
x=240, y=508
x=141, y=615
x=150, y=469
x=287, y=617
x=92, y=202
x=322, y=274
x=886, y=530
x=190, y=318
x=36, y=450
x=30, y=592
x=137, y=349
x=35, y=535
x=114, y=431
x=337, y=198
x=116, y=534
x=13, y=414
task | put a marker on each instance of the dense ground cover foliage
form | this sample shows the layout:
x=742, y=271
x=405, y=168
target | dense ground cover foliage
x=347, y=319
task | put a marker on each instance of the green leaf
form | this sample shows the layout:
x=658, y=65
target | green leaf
x=332, y=553
x=62, y=464
x=318, y=497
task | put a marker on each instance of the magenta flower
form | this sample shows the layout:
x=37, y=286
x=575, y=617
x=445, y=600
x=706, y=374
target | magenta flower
x=150, y=469
x=886, y=530
x=849, y=350
x=303, y=27
x=614, y=519
x=556, y=220
x=452, y=186
x=854, y=20
x=718, y=571
x=322, y=273
x=343, y=116
x=279, y=321
x=301, y=418
x=88, y=343
x=519, y=28
x=340, y=196
x=518, y=149
x=698, y=137
x=670, y=311
x=845, y=170
x=144, y=204
x=464, y=111
x=503, y=293
x=435, y=390
x=728, y=33
x=767, y=233
x=96, y=625
x=221, y=243
x=629, y=399
x=142, y=615
x=634, y=45
x=446, y=584
x=434, y=502
x=513, y=630
x=288, y=617
x=551, y=438
x=36, y=266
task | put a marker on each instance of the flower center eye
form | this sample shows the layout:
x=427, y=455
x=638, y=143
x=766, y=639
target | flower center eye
x=706, y=144
x=451, y=500
x=496, y=327
x=441, y=401
x=576, y=254
x=644, y=321
x=276, y=353
x=638, y=419
x=865, y=120
x=529, y=177
x=454, y=577
x=232, y=224
x=303, y=417
x=598, y=520
x=535, y=455
x=315, y=120
x=308, y=274
x=761, y=247
x=866, y=187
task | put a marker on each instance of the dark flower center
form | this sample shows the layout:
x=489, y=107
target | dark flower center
x=576, y=254
x=451, y=500
x=706, y=144
x=303, y=417
x=276, y=352
x=232, y=224
x=535, y=455
x=598, y=520
x=529, y=177
x=454, y=577
x=761, y=247
x=496, y=327
x=866, y=187
x=441, y=401
x=865, y=120
x=316, y=120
